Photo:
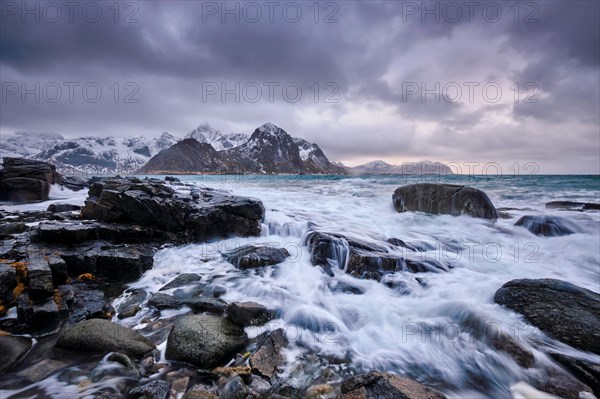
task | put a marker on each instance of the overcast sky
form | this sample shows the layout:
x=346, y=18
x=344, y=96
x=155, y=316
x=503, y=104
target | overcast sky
x=485, y=81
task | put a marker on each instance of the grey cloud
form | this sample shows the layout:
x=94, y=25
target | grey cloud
x=373, y=48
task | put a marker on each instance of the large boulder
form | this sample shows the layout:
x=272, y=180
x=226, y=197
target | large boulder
x=382, y=385
x=100, y=335
x=545, y=225
x=25, y=180
x=564, y=311
x=203, y=214
x=448, y=199
x=12, y=351
x=204, y=340
x=251, y=256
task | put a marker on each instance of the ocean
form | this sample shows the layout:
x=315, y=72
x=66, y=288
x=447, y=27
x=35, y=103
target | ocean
x=412, y=324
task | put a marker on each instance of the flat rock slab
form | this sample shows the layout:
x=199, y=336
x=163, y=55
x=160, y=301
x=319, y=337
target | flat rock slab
x=447, y=199
x=205, y=215
x=99, y=335
x=267, y=358
x=204, y=340
x=564, y=311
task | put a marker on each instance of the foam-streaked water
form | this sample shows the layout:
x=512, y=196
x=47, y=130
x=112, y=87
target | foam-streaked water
x=416, y=328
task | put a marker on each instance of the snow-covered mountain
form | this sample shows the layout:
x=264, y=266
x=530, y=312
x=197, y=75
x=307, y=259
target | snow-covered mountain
x=90, y=155
x=269, y=149
x=220, y=141
x=408, y=168
x=27, y=144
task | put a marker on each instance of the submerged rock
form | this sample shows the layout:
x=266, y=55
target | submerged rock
x=197, y=303
x=26, y=180
x=572, y=205
x=182, y=280
x=251, y=256
x=588, y=372
x=564, y=311
x=549, y=226
x=103, y=336
x=446, y=199
x=360, y=258
x=12, y=351
x=382, y=385
x=205, y=341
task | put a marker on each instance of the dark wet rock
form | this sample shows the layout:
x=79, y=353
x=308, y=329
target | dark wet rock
x=234, y=388
x=12, y=351
x=249, y=313
x=153, y=390
x=586, y=371
x=126, y=362
x=561, y=384
x=446, y=199
x=172, y=179
x=360, y=258
x=204, y=340
x=74, y=183
x=572, y=205
x=251, y=256
x=196, y=303
x=99, y=335
x=58, y=267
x=39, y=317
x=131, y=305
x=346, y=288
x=564, y=311
x=111, y=263
x=267, y=358
x=386, y=386
x=549, y=226
x=39, y=274
x=25, y=180
x=54, y=208
x=199, y=395
x=153, y=204
x=10, y=229
x=8, y=282
x=75, y=232
x=182, y=280
x=79, y=301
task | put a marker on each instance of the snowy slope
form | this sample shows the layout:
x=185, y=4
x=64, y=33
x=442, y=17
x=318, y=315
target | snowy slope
x=90, y=155
x=220, y=141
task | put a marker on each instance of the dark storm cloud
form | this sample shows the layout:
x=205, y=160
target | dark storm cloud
x=373, y=51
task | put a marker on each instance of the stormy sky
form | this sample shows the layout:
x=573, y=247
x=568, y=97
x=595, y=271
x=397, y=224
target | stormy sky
x=465, y=82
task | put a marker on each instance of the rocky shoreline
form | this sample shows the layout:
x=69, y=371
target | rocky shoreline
x=61, y=269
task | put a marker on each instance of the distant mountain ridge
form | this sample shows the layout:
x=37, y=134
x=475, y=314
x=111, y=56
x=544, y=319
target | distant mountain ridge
x=269, y=149
x=408, y=168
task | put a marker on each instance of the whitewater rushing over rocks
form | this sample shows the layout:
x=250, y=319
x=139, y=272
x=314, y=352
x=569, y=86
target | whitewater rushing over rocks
x=408, y=293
